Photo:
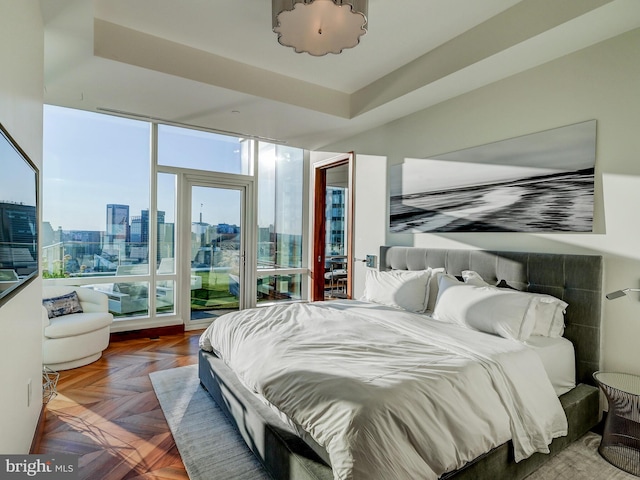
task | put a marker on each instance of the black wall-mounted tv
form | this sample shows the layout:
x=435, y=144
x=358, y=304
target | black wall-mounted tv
x=18, y=218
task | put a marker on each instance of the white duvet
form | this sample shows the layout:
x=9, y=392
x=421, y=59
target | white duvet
x=390, y=394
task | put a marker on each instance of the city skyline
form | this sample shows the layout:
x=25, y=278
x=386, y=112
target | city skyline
x=133, y=220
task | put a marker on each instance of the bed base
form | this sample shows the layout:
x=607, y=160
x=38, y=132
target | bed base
x=287, y=457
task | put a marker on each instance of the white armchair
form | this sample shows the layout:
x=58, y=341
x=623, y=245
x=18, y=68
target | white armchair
x=77, y=339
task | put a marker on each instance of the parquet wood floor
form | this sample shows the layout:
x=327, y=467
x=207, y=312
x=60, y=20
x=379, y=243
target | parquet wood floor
x=108, y=414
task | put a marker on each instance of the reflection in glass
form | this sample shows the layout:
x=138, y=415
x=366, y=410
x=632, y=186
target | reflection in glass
x=126, y=299
x=215, y=251
x=18, y=217
x=279, y=288
x=166, y=231
x=165, y=296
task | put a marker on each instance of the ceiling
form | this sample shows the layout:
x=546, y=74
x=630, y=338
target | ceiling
x=217, y=64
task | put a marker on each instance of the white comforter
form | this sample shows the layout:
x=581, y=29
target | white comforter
x=390, y=394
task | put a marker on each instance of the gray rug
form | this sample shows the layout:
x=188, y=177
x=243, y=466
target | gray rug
x=211, y=449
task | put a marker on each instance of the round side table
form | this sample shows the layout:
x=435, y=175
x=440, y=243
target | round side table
x=620, y=443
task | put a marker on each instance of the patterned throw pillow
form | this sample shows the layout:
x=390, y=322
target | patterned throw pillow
x=62, y=305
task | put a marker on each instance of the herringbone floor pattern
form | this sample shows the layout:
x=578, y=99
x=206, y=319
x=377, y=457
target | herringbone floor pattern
x=108, y=414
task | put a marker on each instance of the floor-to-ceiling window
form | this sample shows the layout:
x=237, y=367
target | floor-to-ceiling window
x=95, y=205
x=112, y=207
x=281, y=272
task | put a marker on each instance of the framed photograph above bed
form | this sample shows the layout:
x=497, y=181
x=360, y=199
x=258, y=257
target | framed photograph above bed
x=542, y=182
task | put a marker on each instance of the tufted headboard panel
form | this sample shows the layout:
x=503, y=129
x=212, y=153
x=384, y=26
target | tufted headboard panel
x=576, y=279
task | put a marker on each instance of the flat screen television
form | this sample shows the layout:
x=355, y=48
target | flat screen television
x=18, y=218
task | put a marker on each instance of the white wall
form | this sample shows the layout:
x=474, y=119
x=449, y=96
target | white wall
x=370, y=206
x=21, y=99
x=602, y=83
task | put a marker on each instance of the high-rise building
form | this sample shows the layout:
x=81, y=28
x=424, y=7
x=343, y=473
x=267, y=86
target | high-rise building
x=135, y=230
x=335, y=216
x=117, y=233
x=144, y=224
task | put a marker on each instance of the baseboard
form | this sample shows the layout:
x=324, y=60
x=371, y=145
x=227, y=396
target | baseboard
x=37, y=435
x=153, y=332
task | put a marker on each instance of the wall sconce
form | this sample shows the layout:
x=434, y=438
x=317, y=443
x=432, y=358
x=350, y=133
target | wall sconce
x=621, y=293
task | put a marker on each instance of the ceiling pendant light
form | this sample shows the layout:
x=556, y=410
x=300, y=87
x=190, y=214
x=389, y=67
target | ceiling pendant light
x=319, y=27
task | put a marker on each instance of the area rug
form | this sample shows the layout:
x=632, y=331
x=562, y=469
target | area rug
x=211, y=449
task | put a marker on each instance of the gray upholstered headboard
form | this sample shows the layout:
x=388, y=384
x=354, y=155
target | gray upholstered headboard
x=576, y=279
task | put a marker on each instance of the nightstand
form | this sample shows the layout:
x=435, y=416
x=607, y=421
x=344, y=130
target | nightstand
x=620, y=443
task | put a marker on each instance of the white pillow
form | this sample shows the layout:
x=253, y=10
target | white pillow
x=549, y=311
x=473, y=278
x=436, y=273
x=508, y=313
x=405, y=289
x=549, y=316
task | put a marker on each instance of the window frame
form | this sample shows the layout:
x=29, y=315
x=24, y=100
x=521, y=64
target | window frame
x=154, y=319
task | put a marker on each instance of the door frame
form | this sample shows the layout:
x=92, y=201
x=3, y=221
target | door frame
x=248, y=237
x=319, y=224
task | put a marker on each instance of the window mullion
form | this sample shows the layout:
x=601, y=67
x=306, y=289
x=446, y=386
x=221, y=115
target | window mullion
x=153, y=218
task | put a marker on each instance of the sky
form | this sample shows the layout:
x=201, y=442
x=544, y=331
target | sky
x=91, y=160
x=226, y=203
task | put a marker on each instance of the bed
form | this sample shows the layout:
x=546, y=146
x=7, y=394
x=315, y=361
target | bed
x=291, y=452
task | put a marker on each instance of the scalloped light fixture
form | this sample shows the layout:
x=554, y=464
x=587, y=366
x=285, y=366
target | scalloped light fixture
x=319, y=27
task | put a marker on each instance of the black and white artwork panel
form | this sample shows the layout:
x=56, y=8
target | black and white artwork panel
x=542, y=182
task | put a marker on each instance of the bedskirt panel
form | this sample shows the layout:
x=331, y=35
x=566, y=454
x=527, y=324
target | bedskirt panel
x=287, y=457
